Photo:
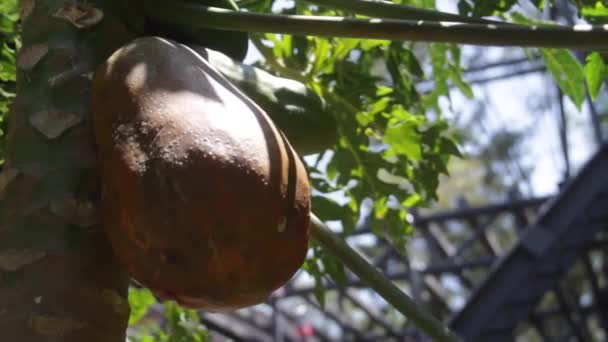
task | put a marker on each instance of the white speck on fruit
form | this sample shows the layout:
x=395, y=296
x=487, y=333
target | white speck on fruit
x=282, y=225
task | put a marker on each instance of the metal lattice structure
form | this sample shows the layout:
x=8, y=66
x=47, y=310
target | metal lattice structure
x=544, y=252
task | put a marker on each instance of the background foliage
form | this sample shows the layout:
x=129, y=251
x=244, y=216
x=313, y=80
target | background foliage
x=9, y=43
x=393, y=140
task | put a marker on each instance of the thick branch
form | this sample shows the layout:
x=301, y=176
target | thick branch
x=577, y=37
x=385, y=288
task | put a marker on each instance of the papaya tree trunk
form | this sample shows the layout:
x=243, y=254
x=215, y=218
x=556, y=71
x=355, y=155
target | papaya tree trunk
x=59, y=280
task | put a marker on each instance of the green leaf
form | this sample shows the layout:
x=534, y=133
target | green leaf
x=344, y=47
x=413, y=65
x=381, y=208
x=567, y=72
x=8, y=69
x=543, y=4
x=380, y=105
x=455, y=72
x=140, y=301
x=322, y=57
x=335, y=268
x=448, y=147
x=412, y=200
x=484, y=7
x=369, y=44
x=402, y=135
x=441, y=74
x=327, y=209
x=596, y=10
x=312, y=267
x=184, y=325
x=595, y=73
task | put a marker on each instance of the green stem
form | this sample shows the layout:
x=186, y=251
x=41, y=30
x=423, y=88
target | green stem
x=377, y=281
x=385, y=9
x=578, y=37
x=232, y=4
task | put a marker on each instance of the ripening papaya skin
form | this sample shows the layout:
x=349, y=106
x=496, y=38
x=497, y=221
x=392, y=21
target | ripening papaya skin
x=203, y=199
x=295, y=108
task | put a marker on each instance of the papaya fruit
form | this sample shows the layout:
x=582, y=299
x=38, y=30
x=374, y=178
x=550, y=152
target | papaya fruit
x=232, y=43
x=203, y=199
x=296, y=109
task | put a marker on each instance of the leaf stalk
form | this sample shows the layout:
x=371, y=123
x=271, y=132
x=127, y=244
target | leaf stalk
x=384, y=287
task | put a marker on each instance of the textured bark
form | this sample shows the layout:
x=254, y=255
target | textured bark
x=59, y=280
